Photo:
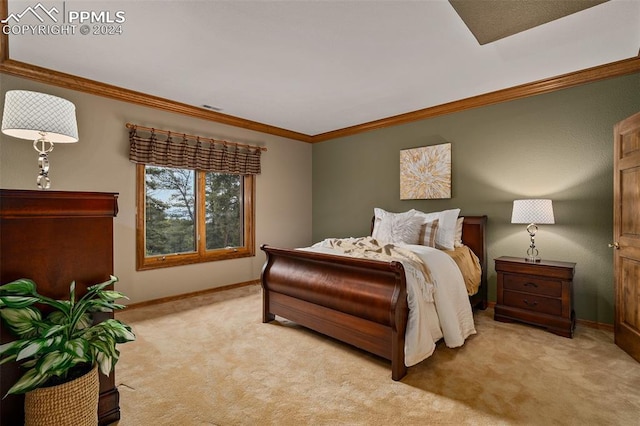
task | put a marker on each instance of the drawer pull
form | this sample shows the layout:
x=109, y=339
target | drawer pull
x=534, y=303
x=530, y=284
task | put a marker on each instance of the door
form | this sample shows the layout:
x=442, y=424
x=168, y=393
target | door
x=626, y=232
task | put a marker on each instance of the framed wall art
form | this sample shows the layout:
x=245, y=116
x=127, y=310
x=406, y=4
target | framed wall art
x=425, y=173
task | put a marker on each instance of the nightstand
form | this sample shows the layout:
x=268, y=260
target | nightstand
x=536, y=293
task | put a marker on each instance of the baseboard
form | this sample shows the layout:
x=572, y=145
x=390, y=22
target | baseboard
x=594, y=324
x=192, y=294
x=585, y=323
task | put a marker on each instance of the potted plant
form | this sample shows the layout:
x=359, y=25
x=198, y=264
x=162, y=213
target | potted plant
x=61, y=346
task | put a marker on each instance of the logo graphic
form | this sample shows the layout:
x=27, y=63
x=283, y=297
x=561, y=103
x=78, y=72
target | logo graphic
x=49, y=21
x=33, y=11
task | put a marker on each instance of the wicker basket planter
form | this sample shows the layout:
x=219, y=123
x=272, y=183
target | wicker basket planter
x=72, y=403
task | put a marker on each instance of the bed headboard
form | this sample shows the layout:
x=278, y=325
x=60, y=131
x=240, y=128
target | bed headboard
x=474, y=236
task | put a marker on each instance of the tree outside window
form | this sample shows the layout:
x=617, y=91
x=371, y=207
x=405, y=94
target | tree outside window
x=192, y=216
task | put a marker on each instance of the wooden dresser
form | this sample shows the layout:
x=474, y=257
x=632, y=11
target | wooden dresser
x=539, y=293
x=53, y=238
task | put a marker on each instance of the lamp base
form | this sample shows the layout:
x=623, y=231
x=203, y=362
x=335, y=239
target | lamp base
x=532, y=252
x=43, y=149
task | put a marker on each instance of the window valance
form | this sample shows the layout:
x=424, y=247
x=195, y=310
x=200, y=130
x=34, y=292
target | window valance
x=178, y=150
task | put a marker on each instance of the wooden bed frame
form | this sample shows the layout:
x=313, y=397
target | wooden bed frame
x=357, y=301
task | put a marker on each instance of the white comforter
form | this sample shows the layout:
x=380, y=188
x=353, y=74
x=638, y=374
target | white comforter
x=437, y=309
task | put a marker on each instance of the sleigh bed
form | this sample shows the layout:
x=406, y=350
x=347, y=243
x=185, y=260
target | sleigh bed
x=361, y=302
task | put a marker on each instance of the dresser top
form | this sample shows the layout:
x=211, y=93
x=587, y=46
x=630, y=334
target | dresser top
x=543, y=262
x=16, y=204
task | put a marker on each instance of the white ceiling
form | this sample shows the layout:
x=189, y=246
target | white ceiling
x=317, y=66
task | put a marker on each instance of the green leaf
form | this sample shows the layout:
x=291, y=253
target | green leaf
x=111, y=295
x=11, y=347
x=57, y=328
x=29, y=381
x=99, y=306
x=114, y=330
x=39, y=347
x=79, y=348
x=105, y=346
x=97, y=287
x=17, y=301
x=72, y=293
x=30, y=363
x=22, y=286
x=105, y=363
x=6, y=359
x=18, y=315
x=84, y=322
x=57, y=317
x=54, y=362
x=23, y=321
x=119, y=330
x=31, y=349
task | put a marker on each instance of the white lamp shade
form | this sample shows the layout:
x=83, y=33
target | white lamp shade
x=28, y=115
x=532, y=211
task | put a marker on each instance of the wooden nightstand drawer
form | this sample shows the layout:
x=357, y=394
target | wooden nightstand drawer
x=532, y=302
x=532, y=285
x=536, y=293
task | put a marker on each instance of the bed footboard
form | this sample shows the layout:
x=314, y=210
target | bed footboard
x=358, y=301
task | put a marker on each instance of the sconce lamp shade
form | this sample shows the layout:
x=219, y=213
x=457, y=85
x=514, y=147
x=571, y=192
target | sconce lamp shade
x=537, y=211
x=32, y=115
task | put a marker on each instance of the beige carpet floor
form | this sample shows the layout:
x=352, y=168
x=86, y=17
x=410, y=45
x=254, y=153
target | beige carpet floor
x=210, y=361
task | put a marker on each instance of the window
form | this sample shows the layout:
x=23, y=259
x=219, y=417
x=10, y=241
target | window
x=186, y=216
x=195, y=197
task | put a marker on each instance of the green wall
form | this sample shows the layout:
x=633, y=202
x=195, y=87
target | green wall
x=557, y=146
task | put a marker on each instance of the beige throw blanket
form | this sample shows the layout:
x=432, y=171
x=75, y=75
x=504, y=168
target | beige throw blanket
x=469, y=265
x=369, y=248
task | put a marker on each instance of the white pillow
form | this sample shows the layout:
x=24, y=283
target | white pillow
x=457, y=241
x=393, y=228
x=447, y=219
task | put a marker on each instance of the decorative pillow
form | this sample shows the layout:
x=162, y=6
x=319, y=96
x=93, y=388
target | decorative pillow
x=445, y=236
x=457, y=242
x=393, y=228
x=428, y=233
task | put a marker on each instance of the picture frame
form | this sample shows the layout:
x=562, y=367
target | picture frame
x=425, y=172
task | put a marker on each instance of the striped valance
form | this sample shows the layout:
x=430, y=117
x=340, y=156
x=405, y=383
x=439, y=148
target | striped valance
x=181, y=151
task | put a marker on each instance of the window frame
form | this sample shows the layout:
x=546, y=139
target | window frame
x=201, y=255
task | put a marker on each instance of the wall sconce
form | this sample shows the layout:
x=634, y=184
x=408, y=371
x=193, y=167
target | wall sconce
x=42, y=118
x=532, y=212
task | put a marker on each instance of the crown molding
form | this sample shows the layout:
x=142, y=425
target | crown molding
x=589, y=75
x=93, y=87
x=56, y=78
x=44, y=75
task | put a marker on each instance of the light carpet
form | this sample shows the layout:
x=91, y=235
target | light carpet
x=209, y=360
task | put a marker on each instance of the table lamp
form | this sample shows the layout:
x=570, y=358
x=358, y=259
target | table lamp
x=42, y=118
x=532, y=212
